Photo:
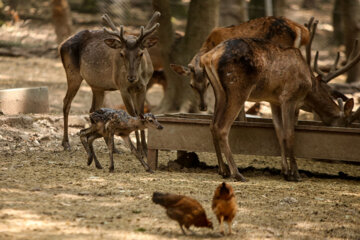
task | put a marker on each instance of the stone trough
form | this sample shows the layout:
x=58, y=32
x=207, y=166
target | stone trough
x=24, y=100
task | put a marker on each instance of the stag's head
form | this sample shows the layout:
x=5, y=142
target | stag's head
x=131, y=48
x=198, y=81
x=323, y=91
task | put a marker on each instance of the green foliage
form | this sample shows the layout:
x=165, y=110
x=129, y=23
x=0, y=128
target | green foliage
x=140, y=229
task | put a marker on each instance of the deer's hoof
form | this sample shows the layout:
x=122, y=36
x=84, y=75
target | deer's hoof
x=116, y=151
x=89, y=162
x=98, y=165
x=149, y=170
x=66, y=146
x=111, y=169
x=293, y=178
x=239, y=177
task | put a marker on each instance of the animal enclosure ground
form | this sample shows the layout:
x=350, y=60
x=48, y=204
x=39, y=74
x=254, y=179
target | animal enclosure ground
x=47, y=193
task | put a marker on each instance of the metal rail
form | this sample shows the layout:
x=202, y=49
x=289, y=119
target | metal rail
x=191, y=132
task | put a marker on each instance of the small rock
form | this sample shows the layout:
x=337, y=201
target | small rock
x=289, y=200
x=83, y=193
x=80, y=215
x=45, y=138
x=36, y=143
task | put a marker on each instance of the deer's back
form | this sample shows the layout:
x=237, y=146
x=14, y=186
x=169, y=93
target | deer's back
x=279, y=30
x=269, y=70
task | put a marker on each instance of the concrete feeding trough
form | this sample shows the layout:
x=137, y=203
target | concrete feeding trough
x=191, y=132
x=24, y=100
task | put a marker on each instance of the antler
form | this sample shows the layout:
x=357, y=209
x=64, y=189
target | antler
x=150, y=27
x=334, y=72
x=311, y=26
x=115, y=31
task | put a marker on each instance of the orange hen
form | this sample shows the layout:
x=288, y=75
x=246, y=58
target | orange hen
x=186, y=211
x=224, y=205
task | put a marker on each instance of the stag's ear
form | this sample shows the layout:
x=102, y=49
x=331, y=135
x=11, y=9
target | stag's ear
x=149, y=42
x=349, y=105
x=113, y=43
x=181, y=70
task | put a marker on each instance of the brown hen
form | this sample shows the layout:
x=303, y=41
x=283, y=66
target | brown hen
x=224, y=205
x=186, y=211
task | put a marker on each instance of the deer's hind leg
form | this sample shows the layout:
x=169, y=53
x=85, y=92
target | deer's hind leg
x=279, y=129
x=91, y=139
x=222, y=129
x=84, y=134
x=288, y=110
x=74, y=80
x=218, y=109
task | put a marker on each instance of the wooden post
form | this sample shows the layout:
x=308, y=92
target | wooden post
x=152, y=159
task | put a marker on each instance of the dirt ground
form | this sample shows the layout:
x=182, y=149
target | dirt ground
x=47, y=193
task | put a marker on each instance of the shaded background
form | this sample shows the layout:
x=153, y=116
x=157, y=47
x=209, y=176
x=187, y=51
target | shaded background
x=31, y=30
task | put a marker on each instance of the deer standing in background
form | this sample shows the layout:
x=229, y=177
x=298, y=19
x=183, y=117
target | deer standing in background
x=278, y=30
x=109, y=61
x=257, y=70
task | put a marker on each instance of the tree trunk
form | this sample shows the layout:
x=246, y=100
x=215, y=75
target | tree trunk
x=337, y=23
x=279, y=7
x=61, y=19
x=231, y=12
x=202, y=18
x=256, y=9
x=351, y=20
x=244, y=12
x=309, y=4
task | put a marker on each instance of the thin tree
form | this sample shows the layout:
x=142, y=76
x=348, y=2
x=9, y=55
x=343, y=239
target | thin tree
x=202, y=18
x=61, y=19
x=351, y=20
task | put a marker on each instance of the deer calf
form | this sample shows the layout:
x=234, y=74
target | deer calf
x=106, y=123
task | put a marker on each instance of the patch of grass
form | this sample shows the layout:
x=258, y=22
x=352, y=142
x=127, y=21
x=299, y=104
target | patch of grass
x=8, y=44
x=140, y=229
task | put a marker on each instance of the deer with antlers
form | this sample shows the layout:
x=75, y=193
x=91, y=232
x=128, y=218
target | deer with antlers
x=278, y=30
x=109, y=60
x=254, y=69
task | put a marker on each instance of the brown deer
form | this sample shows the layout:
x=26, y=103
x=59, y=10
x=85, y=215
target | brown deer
x=108, y=61
x=278, y=30
x=256, y=70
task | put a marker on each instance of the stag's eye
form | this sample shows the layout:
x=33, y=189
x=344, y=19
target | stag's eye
x=192, y=86
x=121, y=54
x=141, y=54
